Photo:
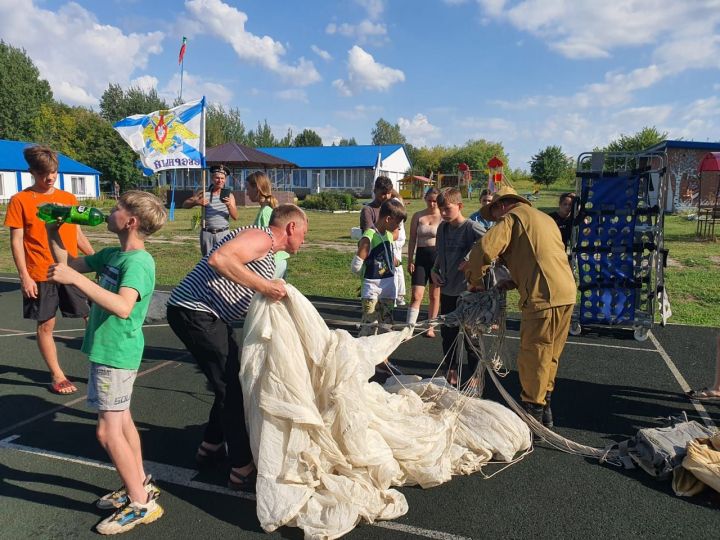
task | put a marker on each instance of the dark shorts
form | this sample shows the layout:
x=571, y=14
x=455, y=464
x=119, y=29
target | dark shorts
x=51, y=296
x=424, y=261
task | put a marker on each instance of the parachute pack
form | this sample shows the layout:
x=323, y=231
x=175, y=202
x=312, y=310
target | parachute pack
x=660, y=450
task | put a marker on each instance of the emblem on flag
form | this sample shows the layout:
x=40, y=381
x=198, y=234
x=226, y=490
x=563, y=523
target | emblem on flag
x=167, y=139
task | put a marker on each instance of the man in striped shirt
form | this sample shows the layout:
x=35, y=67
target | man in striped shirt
x=201, y=311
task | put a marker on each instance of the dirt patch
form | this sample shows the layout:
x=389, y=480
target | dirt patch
x=674, y=263
x=714, y=259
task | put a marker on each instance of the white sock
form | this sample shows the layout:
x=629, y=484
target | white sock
x=412, y=315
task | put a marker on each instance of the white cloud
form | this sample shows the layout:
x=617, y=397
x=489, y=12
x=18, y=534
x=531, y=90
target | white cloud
x=364, y=73
x=419, y=131
x=145, y=83
x=77, y=54
x=592, y=29
x=698, y=120
x=374, y=8
x=635, y=118
x=228, y=23
x=359, y=112
x=328, y=133
x=491, y=128
x=293, y=94
x=492, y=7
x=321, y=53
x=362, y=32
x=195, y=87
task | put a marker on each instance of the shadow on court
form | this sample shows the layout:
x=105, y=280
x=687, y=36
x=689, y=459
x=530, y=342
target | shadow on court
x=608, y=387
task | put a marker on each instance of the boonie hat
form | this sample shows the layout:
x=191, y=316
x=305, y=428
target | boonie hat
x=503, y=194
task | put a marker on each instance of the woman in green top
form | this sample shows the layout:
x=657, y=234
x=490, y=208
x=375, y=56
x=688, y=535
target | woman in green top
x=259, y=190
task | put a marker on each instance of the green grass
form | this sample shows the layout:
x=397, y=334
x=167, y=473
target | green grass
x=322, y=266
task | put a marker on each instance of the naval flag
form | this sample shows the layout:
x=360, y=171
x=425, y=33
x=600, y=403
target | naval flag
x=169, y=138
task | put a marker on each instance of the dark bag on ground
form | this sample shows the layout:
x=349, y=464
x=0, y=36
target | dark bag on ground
x=659, y=450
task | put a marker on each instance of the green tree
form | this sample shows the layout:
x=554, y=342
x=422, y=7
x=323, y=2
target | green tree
x=287, y=140
x=55, y=125
x=105, y=150
x=475, y=154
x=347, y=142
x=223, y=126
x=551, y=165
x=425, y=160
x=307, y=138
x=22, y=93
x=262, y=137
x=386, y=133
x=642, y=140
x=519, y=176
x=116, y=103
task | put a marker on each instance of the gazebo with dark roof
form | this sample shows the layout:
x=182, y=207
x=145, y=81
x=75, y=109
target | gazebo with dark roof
x=236, y=155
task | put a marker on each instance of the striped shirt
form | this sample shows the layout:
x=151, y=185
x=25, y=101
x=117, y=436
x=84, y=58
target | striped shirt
x=203, y=289
x=217, y=215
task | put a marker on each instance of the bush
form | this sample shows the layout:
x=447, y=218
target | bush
x=330, y=201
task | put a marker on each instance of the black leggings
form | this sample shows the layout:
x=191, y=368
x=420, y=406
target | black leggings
x=212, y=344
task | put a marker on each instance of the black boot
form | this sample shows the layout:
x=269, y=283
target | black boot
x=547, y=417
x=536, y=411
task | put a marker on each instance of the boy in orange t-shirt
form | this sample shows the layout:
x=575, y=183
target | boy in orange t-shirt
x=32, y=255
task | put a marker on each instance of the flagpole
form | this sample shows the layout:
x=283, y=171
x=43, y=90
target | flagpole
x=202, y=147
x=171, y=217
x=182, y=69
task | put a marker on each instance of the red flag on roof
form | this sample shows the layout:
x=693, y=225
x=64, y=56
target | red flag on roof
x=182, y=50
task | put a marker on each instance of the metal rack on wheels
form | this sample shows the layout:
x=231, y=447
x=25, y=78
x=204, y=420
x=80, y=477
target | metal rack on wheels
x=617, y=241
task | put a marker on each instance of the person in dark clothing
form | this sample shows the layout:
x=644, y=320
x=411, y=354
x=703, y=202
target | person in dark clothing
x=563, y=216
x=382, y=192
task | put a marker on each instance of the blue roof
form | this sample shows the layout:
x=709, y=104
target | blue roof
x=690, y=145
x=11, y=159
x=333, y=157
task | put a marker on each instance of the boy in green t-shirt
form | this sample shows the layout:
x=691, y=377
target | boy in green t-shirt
x=114, y=344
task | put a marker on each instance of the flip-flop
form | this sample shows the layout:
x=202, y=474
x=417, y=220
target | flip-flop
x=240, y=482
x=703, y=395
x=63, y=388
x=205, y=457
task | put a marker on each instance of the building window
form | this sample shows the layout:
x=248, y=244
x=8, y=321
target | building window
x=78, y=185
x=300, y=178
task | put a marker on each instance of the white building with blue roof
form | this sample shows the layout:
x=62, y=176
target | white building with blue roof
x=336, y=168
x=77, y=178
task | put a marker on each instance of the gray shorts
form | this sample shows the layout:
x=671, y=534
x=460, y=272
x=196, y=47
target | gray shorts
x=109, y=388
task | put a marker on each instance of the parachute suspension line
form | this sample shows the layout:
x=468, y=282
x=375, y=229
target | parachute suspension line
x=476, y=315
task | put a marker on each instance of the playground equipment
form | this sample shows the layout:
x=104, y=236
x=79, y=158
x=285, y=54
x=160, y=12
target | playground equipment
x=617, y=241
x=708, y=195
x=414, y=187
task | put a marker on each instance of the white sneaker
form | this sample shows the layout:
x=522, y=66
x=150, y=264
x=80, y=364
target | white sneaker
x=128, y=516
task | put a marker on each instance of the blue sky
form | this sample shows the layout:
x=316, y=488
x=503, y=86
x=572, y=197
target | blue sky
x=527, y=73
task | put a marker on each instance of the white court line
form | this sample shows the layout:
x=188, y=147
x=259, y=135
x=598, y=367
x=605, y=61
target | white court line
x=702, y=412
x=68, y=330
x=78, y=400
x=181, y=476
x=598, y=345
